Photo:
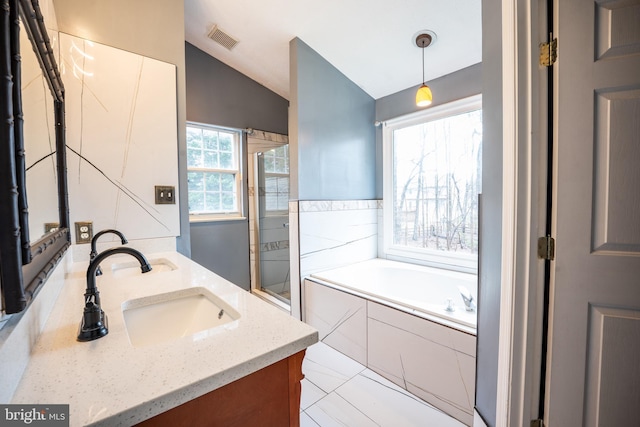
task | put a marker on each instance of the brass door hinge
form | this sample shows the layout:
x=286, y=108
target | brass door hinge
x=549, y=52
x=537, y=423
x=546, y=248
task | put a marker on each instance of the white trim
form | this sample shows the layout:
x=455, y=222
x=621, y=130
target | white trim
x=528, y=286
x=216, y=218
x=237, y=172
x=444, y=110
x=509, y=198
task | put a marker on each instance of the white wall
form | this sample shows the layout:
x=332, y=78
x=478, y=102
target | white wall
x=121, y=134
x=151, y=28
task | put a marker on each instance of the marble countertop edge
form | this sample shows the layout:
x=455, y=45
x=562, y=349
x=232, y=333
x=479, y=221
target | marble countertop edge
x=178, y=397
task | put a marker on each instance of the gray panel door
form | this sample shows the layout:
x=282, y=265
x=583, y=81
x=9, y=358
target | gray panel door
x=594, y=370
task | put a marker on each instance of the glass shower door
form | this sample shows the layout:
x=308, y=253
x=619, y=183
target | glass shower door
x=273, y=223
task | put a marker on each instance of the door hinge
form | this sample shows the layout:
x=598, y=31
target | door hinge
x=546, y=248
x=537, y=423
x=549, y=52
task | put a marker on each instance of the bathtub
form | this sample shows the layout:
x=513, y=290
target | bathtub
x=392, y=317
x=418, y=290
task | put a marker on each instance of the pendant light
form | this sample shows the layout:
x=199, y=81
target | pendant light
x=424, y=97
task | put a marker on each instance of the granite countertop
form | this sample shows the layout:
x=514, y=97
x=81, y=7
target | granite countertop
x=110, y=382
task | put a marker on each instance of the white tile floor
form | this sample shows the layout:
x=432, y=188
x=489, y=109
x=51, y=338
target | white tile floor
x=338, y=391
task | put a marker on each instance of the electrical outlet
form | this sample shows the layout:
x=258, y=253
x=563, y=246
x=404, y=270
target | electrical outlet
x=84, y=232
x=165, y=195
x=51, y=226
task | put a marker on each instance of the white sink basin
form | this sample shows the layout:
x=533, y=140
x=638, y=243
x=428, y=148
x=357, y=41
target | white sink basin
x=132, y=268
x=188, y=312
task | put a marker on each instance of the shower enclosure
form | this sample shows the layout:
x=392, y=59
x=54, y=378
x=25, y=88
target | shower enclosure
x=269, y=217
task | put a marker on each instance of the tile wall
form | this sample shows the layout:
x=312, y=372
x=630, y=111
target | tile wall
x=330, y=234
x=121, y=134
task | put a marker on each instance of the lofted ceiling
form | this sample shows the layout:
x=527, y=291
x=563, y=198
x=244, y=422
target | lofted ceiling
x=369, y=41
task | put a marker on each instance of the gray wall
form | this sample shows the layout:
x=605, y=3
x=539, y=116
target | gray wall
x=454, y=86
x=491, y=213
x=219, y=95
x=223, y=247
x=332, y=131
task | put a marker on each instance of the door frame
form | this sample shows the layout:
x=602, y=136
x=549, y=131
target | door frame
x=524, y=99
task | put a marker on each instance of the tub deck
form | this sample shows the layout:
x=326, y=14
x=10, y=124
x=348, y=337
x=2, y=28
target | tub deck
x=415, y=289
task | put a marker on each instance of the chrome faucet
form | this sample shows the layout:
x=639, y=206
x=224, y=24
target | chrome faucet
x=467, y=298
x=94, y=241
x=94, y=323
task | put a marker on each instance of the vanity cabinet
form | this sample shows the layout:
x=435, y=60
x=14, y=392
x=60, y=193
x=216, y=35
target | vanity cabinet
x=268, y=397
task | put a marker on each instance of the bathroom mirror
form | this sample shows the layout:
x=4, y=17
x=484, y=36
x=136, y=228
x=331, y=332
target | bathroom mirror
x=25, y=266
x=39, y=136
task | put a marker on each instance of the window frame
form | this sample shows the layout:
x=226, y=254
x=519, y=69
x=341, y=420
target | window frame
x=463, y=262
x=238, y=156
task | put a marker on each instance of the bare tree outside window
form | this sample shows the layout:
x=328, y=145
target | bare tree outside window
x=437, y=179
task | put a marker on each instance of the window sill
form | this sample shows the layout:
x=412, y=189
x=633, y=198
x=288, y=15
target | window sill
x=442, y=261
x=207, y=218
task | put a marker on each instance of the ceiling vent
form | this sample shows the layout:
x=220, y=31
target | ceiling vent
x=222, y=38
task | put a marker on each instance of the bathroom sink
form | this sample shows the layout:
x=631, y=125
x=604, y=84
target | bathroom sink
x=132, y=268
x=163, y=317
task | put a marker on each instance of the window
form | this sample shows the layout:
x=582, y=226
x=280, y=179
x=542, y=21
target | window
x=213, y=171
x=432, y=178
x=276, y=180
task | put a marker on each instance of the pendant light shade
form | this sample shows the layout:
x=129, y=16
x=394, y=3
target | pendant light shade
x=424, y=97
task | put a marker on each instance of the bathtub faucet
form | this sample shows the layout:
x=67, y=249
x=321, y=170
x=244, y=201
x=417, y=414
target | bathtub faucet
x=467, y=298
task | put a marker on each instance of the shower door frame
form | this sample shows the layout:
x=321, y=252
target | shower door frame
x=271, y=140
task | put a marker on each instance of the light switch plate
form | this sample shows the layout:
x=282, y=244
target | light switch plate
x=165, y=195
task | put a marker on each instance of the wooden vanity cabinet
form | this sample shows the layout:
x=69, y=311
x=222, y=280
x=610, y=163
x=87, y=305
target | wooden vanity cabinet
x=268, y=397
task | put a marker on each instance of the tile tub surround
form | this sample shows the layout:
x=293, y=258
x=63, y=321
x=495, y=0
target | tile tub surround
x=336, y=233
x=432, y=361
x=328, y=234
x=110, y=382
x=340, y=317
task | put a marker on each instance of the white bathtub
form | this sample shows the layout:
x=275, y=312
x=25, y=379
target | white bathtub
x=418, y=290
x=392, y=318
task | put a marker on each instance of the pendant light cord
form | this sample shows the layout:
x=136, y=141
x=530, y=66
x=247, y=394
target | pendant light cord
x=422, y=61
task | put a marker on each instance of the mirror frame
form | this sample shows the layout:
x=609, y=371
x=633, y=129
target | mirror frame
x=25, y=267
